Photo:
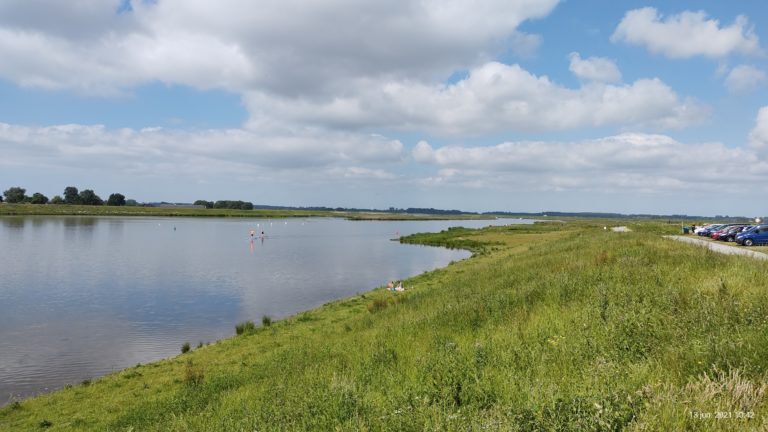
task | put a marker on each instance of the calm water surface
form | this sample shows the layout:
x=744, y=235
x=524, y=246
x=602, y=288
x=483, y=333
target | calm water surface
x=83, y=296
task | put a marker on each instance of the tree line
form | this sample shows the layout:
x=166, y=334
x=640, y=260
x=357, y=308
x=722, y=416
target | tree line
x=225, y=204
x=71, y=195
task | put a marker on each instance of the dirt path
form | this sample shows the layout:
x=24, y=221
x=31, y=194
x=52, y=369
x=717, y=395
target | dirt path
x=717, y=247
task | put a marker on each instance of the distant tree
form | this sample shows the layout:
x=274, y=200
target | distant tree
x=71, y=195
x=88, y=197
x=206, y=204
x=116, y=199
x=57, y=200
x=131, y=203
x=38, y=198
x=237, y=205
x=15, y=194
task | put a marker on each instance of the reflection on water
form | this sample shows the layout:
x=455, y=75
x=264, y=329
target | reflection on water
x=83, y=296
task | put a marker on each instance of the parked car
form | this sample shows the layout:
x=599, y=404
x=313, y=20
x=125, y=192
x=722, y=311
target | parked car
x=753, y=236
x=709, y=229
x=729, y=234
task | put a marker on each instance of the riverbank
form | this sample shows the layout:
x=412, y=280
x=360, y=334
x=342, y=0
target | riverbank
x=80, y=210
x=547, y=326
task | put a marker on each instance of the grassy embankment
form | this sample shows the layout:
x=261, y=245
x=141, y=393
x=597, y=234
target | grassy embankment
x=79, y=210
x=547, y=327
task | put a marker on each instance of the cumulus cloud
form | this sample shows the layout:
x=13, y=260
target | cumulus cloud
x=758, y=138
x=625, y=162
x=236, y=151
x=333, y=64
x=493, y=97
x=594, y=68
x=745, y=78
x=686, y=34
x=285, y=47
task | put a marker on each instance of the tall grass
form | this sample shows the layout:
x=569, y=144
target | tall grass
x=552, y=327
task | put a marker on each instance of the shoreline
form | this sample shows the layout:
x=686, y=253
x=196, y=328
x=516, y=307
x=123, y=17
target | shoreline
x=129, y=211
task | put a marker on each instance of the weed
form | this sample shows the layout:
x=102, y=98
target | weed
x=378, y=304
x=245, y=327
x=193, y=375
x=45, y=424
x=266, y=321
x=85, y=382
x=185, y=348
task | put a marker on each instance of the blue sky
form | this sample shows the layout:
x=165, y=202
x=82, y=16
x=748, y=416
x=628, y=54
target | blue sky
x=635, y=107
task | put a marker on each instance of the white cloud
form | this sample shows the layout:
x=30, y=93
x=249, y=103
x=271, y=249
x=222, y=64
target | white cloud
x=286, y=47
x=332, y=64
x=686, y=35
x=171, y=152
x=758, y=138
x=493, y=97
x=594, y=68
x=626, y=162
x=745, y=78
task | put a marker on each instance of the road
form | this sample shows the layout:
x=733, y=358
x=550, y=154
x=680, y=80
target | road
x=718, y=247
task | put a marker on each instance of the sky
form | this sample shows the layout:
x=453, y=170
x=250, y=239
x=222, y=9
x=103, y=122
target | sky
x=514, y=105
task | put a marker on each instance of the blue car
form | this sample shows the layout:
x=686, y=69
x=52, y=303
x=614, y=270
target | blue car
x=753, y=236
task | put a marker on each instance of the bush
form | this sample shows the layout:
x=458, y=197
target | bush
x=38, y=198
x=266, y=321
x=245, y=327
x=193, y=375
x=185, y=348
x=89, y=197
x=116, y=199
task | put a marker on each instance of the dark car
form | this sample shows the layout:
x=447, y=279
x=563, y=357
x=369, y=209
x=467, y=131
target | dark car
x=753, y=236
x=729, y=234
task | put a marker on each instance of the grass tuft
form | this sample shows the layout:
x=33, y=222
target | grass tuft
x=245, y=327
x=266, y=321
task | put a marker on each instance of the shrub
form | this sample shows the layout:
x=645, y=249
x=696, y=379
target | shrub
x=377, y=305
x=245, y=327
x=266, y=321
x=193, y=375
x=185, y=348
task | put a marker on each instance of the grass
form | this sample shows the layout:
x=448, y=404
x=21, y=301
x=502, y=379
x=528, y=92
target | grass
x=81, y=210
x=547, y=327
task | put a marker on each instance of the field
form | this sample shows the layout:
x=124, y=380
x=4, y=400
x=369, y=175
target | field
x=552, y=326
x=81, y=210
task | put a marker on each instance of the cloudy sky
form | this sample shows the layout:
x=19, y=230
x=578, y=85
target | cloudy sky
x=517, y=105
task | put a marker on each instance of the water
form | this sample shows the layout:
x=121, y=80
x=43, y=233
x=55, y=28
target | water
x=83, y=296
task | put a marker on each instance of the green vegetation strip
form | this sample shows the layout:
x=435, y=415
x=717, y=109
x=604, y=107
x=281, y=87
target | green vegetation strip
x=90, y=210
x=547, y=327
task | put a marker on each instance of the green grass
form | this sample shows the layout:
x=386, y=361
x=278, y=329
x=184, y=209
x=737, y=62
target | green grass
x=548, y=327
x=81, y=210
